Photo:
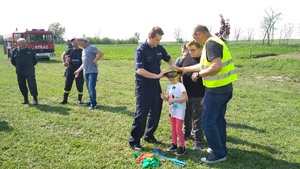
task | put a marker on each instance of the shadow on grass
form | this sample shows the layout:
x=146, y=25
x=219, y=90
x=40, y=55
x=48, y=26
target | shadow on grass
x=253, y=145
x=264, y=55
x=4, y=126
x=243, y=126
x=52, y=109
x=116, y=109
x=247, y=159
x=237, y=158
x=238, y=66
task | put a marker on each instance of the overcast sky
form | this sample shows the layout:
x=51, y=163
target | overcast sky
x=122, y=18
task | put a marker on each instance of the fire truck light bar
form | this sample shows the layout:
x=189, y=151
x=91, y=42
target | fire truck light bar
x=38, y=29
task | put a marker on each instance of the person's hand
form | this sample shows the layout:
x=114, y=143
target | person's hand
x=162, y=96
x=181, y=70
x=95, y=63
x=162, y=73
x=202, y=101
x=76, y=73
x=170, y=101
x=195, y=76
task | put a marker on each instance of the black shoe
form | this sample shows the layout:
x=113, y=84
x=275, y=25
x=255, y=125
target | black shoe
x=180, y=151
x=24, y=102
x=137, y=147
x=79, y=102
x=172, y=148
x=63, y=102
x=35, y=102
x=153, y=140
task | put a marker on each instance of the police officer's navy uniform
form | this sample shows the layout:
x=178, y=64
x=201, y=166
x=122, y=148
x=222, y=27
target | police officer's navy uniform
x=24, y=60
x=147, y=92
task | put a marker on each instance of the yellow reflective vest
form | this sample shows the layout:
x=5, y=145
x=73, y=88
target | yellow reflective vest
x=228, y=72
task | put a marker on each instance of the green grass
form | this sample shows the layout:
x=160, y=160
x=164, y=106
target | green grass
x=263, y=116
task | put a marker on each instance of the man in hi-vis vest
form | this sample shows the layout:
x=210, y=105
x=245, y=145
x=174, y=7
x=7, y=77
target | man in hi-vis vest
x=218, y=72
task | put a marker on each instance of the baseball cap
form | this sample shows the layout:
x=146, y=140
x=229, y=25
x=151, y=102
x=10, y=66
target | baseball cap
x=83, y=38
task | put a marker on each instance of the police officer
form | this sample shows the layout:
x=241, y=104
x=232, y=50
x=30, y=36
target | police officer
x=148, y=58
x=24, y=59
x=73, y=61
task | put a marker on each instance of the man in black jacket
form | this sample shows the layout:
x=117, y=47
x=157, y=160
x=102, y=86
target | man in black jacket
x=195, y=90
x=24, y=59
x=72, y=60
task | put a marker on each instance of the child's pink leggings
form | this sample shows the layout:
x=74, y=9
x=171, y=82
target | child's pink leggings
x=176, y=128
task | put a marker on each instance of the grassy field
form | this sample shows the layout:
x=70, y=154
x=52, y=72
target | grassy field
x=263, y=116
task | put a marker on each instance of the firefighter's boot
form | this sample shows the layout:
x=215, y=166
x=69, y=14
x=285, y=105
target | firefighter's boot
x=80, y=99
x=65, y=100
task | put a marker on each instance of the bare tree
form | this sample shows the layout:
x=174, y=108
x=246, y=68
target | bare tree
x=281, y=32
x=285, y=33
x=237, y=33
x=288, y=31
x=178, y=35
x=137, y=35
x=268, y=25
x=250, y=33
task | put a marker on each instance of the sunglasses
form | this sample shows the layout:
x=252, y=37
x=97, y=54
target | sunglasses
x=172, y=74
x=193, y=50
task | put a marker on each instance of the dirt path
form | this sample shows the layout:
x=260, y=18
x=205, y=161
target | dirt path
x=295, y=55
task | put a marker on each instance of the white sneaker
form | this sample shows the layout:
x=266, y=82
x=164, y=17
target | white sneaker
x=211, y=158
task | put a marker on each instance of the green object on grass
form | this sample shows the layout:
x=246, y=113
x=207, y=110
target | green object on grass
x=151, y=162
x=136, y=154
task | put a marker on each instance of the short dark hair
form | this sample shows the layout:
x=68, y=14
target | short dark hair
x=193, y=42
x=200, y=28
x=155, y=30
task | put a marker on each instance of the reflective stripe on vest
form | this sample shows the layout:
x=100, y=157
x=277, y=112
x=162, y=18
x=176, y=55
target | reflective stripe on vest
x=228, y=72
x=223, y=64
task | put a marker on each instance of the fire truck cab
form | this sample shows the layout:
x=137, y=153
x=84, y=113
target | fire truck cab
x=42, y=41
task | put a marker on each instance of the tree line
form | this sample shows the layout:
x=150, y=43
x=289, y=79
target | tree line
x=60, y=32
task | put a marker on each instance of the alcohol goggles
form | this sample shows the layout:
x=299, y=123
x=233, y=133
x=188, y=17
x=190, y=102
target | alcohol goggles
x=172, y=74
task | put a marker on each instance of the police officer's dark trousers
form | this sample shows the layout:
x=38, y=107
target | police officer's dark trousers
x=148, y=101
x=30, y=78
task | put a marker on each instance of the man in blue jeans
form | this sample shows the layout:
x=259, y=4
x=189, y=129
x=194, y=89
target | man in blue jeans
x=90, y=56
x=218, y=72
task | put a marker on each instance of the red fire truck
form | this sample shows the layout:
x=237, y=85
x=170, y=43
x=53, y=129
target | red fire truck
x=7, y=44
x=42, y=41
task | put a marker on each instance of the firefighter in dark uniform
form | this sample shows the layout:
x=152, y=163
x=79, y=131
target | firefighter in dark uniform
x=24, y=59
x=74, y=61
x=148, y=58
